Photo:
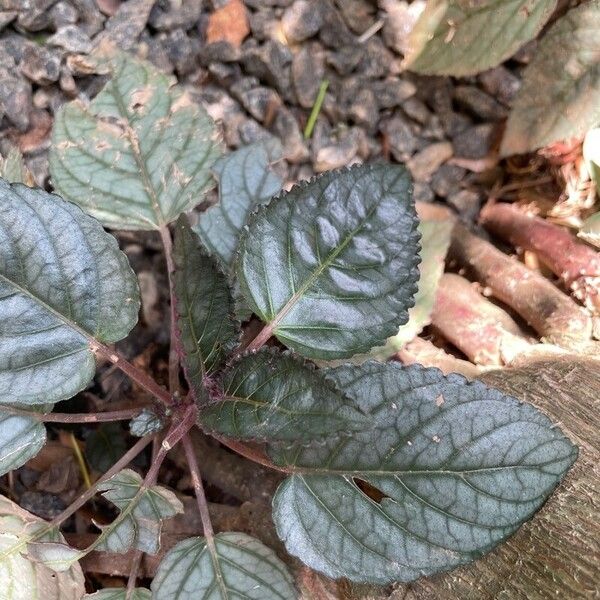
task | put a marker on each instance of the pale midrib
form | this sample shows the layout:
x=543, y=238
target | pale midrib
x=134, y=143
x=50, y=309
x=317, y=273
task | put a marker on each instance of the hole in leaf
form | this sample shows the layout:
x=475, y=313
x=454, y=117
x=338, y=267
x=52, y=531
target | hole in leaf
x=368, y=490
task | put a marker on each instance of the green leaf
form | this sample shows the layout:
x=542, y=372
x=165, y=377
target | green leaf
x=245, y=181
x=120, y=594
x=447, y=471
x=105, y=446
x=13, y=168
x=207, y=330
x=237, y=566
x=561, y=85
x=143, y=509
x=20, y=577
x=277, y=397
x=331, y=266
x=139, y=154
x=21, y=438
x=64, y=285
x=145, y=423
x=462, y=37
x=57, y=556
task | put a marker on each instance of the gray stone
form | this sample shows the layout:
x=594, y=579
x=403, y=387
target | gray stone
x=224, y=74
x=175, y=14
x=302, y=20
x=400, y=18
x=91, y=20
x=416, y=110
x=337, y=155
x=7, y=17
x=475, y=142
x=426, y=162
x=376, y=61
x=392, y=92
x=287, y=130
x=400, y=137
x=261, y=102
x=500, y=83
x=221, y=51
x=346, y=59
x=15, y=100
x=72, y=39
x=39, y=65
x=364, y=110
x=182, y=50
x=250, y=132
x=447, y=180
x=453, y=123
x=466, y=202
x=334, y=32
x=422, y=192
x=270, y=63
x=307, y=71
x=243, y=84
x=263, y=25
x=124, y=28
x=34, y=15
x=62, y=14
x=479, y=103
x=359, y=15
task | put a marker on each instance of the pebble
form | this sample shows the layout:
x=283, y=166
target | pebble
x=500, y=83
x=340, y=154
x=422, y=192
x=359, y=15
x=364, y=110
x=261, y=102
x=125, y=27
x=287, y=130
x=15, y=100
x=334, y=32
x=400, y=136
x=400, y=18
x=392, y=92
x=302, y=20
x=475, y=142
x=426, y=162
x=466, y=202
x=175, y=14
x=72, y=39
x=447, y=179
x=479, y=103
x=269, y=62
x=416, y=110
x=40, y=65
x=308, y=70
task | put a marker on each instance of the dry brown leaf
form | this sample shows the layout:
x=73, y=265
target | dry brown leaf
x=229, y=24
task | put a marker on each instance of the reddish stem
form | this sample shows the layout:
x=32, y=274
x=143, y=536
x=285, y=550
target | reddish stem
x=254, y=454
x=167, y=242
x=575, y=263
x=264, y=335
x=553, y=314
x=190, y=456
x=141, y=378
x=104, y=417
x=88, y=494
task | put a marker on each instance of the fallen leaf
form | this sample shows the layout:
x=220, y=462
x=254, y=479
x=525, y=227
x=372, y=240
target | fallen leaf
x=228, y=23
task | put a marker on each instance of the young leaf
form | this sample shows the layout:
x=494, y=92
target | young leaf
x=143, y=509
x=238, y=566
x=245, y=181
x=277, y=397
x=120, y=594
x=23, y=579
x=105, y=446
x=139, y=154
x=207, y=330
x=145, y=423
x=331, y=266
x=64, y=284
x=462, y=37
x=448, y=470
x=559, y=103
x=21, y=438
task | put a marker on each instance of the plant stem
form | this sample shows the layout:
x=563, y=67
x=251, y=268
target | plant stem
x=316, y=109
x=165, y=236
x=253, y=454
x=120, y=464
x=190, y=456
x=104, y=417
x=142, y=379
x=261, y=339
x=133, y=573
